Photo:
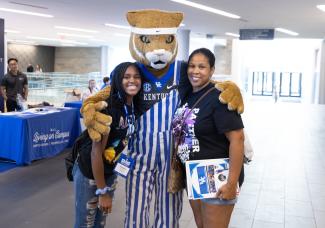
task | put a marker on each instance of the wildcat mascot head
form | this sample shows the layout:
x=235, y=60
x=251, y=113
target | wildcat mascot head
x=153, y=38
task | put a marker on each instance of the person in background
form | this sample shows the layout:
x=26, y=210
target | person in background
x=30, y=68
x=91, y=90
x=38, y=69
x=2, y=103
x=209, y=131
x=106, y=82
x=94, y=180
x=14, y=84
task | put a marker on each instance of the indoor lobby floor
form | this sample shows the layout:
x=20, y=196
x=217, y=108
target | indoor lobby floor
x=284, y=185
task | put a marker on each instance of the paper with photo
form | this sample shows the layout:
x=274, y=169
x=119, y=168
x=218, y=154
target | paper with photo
x=205, y=177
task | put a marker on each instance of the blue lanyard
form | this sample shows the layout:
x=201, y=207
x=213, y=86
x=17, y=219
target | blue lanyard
x=131, y=125
x=130, y=118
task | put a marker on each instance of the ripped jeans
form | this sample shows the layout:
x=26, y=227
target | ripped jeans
x=87, y=213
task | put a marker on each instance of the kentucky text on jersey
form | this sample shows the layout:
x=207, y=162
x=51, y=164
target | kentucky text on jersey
x=154, y=96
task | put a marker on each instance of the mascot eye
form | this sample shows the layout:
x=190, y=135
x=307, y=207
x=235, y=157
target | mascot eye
x=144, y=39
x=169, y=39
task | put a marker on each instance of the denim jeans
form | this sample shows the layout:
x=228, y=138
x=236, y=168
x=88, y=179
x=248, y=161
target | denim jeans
x=87, y=213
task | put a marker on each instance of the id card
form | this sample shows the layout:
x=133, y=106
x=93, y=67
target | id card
x=124, y=165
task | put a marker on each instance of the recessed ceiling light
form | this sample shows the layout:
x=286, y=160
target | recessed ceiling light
x=21, y=41
x=68, y=45
x=205, y=40
x=72, y=42
x=11, y=31
x=286, y=31
x=321, y=7
x=232, y=34
x=207, y=8
x=74, y=35
x=56, y=40
x=26, y=12
x=75, y=29
x=98, y=40
x=122, y=34
x=117, y=26
x=42, y=38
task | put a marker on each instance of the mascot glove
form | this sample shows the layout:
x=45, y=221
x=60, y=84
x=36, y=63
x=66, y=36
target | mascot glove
x=97, y=123
x=230, y=94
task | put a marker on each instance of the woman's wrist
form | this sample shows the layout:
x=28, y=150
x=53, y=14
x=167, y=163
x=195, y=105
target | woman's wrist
x=103, y=191
x=232, y=183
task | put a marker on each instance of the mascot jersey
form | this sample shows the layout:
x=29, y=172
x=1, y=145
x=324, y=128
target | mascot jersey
x=151, y=151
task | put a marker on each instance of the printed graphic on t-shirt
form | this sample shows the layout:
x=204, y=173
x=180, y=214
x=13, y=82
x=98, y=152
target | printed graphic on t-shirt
x=122, y=123
x=185, y=132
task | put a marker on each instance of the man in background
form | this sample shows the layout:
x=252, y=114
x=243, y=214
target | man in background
x=14, y=83
x=30, y=68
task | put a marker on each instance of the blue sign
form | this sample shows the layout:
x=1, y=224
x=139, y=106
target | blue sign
x=256, y=34
x=28, y=136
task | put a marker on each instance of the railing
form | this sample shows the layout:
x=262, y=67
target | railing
x=53, y=87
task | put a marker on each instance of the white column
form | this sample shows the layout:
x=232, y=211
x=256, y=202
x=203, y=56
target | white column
x=104, y=61
x=321, y=98
x=183, y=38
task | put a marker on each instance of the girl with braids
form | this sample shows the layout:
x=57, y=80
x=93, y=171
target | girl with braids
x=94, y=180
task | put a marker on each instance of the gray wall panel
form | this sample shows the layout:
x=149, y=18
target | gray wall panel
x=42, y=55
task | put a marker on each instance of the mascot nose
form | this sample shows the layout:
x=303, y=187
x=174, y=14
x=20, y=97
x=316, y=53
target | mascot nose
x=159, y=52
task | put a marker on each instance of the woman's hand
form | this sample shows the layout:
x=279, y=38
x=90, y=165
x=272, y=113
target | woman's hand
x=105, y=203
x=227, y=191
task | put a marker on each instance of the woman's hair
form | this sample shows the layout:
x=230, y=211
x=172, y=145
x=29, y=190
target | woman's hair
x=185, y=84
x=117, y=95
x=207, y=53
x=90, y=89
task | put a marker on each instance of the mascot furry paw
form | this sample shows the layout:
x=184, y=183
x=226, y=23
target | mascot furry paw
x=97, y=123
x=230, y=95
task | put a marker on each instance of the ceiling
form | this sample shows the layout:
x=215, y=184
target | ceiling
x=300, y=16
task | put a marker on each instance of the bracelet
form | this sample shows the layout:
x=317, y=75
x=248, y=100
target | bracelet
x=103, y=191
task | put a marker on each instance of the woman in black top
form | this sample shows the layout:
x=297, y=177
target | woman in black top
x=209, y=131
x=94, y=179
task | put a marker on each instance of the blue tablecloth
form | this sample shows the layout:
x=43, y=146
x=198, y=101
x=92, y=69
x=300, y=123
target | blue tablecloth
x=74, y=104
x=32, y=135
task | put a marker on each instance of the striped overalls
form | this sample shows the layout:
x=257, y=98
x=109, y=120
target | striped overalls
x=151, y=152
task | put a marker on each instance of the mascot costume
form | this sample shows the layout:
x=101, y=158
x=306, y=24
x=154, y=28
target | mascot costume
x=153, y=45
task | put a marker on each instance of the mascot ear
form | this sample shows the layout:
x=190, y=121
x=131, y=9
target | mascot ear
x=153, y=19
x=132, y=18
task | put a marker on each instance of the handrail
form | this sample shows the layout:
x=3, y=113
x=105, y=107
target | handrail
x=52, y=86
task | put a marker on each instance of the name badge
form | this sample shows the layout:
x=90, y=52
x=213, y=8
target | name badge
x=124, y=165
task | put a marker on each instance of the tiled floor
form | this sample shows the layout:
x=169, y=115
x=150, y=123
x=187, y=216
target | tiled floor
x=284, y=186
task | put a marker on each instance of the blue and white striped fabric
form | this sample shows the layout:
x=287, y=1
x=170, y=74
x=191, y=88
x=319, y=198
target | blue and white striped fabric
x=151, y=152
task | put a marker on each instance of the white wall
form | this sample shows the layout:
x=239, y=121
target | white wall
x=286, y=55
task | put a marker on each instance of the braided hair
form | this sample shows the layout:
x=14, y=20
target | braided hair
x=117, y=96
